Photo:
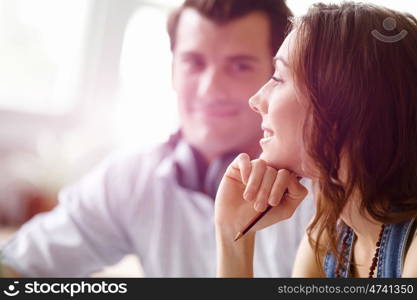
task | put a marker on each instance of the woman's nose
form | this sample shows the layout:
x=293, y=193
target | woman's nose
x=257, y=104
x=253, y=105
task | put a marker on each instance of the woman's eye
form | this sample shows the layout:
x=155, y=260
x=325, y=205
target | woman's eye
x=277, y=80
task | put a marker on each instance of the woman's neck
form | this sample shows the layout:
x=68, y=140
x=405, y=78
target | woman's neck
x=367, y=233
x=366, y=229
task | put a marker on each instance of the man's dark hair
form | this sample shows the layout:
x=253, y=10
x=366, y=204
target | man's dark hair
x=223, y=11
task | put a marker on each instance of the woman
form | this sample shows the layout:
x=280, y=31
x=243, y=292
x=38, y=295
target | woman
x=341, y=109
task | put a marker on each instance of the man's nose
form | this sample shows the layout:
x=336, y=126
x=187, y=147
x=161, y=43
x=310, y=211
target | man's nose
x=258, y=103
x=212, y=85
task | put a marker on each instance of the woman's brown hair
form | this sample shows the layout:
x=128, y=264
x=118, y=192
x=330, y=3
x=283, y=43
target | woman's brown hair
x=362, y=102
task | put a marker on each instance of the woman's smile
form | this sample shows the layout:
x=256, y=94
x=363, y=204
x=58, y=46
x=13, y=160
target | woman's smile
x=268, y=134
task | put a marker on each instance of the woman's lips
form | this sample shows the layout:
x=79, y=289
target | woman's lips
x=268, y=135
x=265, y=140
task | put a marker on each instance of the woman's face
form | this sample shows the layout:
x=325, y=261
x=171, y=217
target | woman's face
x=283, y=114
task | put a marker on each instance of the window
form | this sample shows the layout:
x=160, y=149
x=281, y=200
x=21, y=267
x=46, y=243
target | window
x=40, y=54
x=145, y=110
x=300, y=7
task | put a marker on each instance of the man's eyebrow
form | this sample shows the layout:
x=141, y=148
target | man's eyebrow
x=243, y=57
x=189, y=54
x=281, y=59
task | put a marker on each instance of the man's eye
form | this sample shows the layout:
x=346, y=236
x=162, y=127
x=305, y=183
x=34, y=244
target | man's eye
x=241, y=67
x=244, y=67
x=193, y=64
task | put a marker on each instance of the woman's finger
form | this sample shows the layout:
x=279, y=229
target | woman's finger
x=255, y=179
x=295, y=189
x=262, y=196
x=280, y=187
x=245, y=167
x=292, y=199
x=239, y=169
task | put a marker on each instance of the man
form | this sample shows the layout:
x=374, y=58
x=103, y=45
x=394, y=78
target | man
x=159, y=205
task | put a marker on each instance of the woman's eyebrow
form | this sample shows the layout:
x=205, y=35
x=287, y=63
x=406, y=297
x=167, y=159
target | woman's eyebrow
x=281, y=59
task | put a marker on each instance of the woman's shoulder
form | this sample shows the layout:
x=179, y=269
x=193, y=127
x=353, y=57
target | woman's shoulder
x=306, y=263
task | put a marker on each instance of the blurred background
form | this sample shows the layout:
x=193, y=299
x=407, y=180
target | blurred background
x=80, y=79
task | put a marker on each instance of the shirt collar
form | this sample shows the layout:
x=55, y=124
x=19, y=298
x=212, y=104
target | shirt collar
x=190, y=170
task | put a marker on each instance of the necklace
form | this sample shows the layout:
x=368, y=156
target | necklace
x=376, y=255
x=345, y=249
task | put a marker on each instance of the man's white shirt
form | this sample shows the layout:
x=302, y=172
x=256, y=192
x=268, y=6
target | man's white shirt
x=135, y=204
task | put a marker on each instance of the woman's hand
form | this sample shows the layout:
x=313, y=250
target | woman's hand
x=248, y=187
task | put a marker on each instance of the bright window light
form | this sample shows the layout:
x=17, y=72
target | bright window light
x=145, y=110
x=300, y=7
x=40, y=47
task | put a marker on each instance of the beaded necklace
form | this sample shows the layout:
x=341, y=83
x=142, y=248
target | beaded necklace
x=374, y=259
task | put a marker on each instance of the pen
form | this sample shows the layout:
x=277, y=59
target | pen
x=255, y=220
x=251, y=223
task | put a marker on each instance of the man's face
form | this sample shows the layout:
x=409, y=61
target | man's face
x=216, y=69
